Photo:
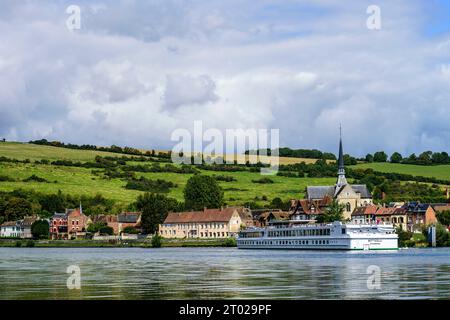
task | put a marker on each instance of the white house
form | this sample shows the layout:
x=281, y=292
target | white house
x=11, y=229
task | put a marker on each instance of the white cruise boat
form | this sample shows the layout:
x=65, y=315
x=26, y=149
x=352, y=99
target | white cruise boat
x=294, y=234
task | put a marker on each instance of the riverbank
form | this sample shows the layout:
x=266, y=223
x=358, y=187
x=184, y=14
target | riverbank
x=146, y=243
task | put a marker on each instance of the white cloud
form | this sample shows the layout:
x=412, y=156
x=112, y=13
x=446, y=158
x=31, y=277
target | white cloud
x=138, y=70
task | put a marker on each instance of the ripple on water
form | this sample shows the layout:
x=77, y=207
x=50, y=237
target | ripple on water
x=222, y=273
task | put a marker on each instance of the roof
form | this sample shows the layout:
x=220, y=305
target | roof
x=28, y=221
x=310, y=206
x=416, y=207
x=385, y=211
x=319, y=192
x=59, y=216
x=371, y=209
x=9, y=224
x=207, y=215
x=128, y=217
x=280, y=215
x=377, y=210
x=441, y=207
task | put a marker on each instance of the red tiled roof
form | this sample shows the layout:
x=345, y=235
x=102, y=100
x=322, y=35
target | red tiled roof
x=382, y=211
x=370, y=209
x=207, y=215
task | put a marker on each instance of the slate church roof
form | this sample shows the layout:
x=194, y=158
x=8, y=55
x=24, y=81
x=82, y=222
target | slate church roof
x=319, y=192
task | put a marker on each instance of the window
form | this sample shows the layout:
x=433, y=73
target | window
x=348, y=207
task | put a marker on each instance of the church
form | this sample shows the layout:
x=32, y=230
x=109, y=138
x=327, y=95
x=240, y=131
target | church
x=349, y=195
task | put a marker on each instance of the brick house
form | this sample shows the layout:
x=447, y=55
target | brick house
x=124, y=220
x=77, y=223
x=58, y=226
x=208, y=223
x=418, y=215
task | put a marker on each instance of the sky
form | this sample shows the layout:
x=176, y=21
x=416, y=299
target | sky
x=136, y=71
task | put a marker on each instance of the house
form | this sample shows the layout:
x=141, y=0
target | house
x=308, y=210
x=259, y=216
x=349, y=195
x=58, y=226
x=418, y=215
x=11, y=229
x=364, y=214
x=26, y=224
x=208, y=223
x=77, y=223
x=246, y=216
x=124, y=220
x=378, y=214
x=399, y=218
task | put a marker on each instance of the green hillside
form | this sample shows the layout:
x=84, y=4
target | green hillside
x=438, y=171
x=22, y=151
x=82, y=181
x=85, y=181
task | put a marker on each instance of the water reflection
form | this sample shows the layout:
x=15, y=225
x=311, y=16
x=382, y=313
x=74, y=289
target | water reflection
x=222, y=273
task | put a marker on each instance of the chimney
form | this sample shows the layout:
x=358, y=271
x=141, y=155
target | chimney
x=447, y=194
x=383, y=195
x=221, y=208
x=204, y=209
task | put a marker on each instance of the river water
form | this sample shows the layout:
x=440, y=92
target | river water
x=223, y=273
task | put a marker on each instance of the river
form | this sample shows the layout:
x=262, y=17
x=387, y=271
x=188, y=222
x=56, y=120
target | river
x=223, y=273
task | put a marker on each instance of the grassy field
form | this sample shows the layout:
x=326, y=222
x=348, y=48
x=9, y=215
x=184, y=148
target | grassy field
x=74, y=180
x=440, y=172
x=22, y=151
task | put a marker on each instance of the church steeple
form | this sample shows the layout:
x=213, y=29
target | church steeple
x=341, y=181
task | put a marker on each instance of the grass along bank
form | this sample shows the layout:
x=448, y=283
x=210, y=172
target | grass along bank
x=147, y=243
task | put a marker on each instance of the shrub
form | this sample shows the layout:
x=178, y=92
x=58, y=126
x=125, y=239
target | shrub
x=230, y=242
x=34, y=178
x=263, y=180
x=30, y=244
x=156, y=241
x=18, y=243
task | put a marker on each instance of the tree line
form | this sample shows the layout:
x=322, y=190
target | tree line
x=426, y=158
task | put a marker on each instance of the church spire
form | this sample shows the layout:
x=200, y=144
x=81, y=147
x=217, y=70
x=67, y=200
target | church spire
x=341, y=169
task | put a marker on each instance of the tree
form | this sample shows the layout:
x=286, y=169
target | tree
x=202, y=191
x=156, y=241
x=53, y=202
x=396, y=157
x=17, y=208
x=154, y=209
x=130, y=230
x=380, y=156
x=40, y=229
x=369, y=158
x=106, y=230
x=334, y=212
x=403, y=236
x=95, y=227
x=349, y=160
x=425, y=157
x=444, y=217
x=276, y=203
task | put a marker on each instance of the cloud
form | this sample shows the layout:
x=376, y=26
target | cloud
x=185, y=89
x=138, y=70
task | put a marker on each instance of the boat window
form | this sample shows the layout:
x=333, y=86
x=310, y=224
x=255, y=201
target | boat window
x=343, y=230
